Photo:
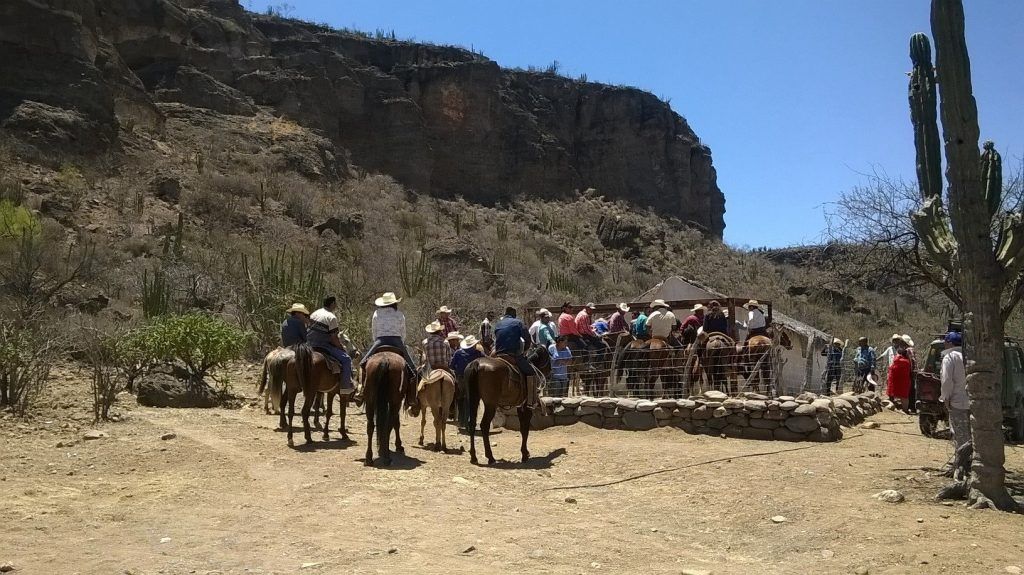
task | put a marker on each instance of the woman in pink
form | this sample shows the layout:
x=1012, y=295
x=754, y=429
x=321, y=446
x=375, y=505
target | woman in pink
x=898, y=380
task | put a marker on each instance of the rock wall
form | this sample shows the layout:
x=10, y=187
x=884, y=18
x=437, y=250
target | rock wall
x=445, y=121
x=806, y=417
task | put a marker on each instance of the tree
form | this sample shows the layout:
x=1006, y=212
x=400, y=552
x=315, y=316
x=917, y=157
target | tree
x=981, y=268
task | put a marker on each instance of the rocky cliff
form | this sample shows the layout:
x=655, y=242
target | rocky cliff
x=445, y=121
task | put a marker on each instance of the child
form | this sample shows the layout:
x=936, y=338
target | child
x=561, y=355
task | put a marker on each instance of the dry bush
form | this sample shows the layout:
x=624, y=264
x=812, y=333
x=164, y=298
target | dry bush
x=26, y=354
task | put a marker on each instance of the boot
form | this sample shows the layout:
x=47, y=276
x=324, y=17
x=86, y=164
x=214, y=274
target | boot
x=532, y=397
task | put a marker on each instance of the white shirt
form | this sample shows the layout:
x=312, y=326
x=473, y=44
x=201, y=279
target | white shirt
x=387, y=322
x=534, y=329
x=954, y=379
x=660, y=323
x=755, y=319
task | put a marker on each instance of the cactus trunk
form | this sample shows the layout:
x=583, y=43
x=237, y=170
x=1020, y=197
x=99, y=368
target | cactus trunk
x=923, y=116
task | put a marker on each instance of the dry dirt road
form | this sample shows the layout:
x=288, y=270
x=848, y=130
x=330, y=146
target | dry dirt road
x=226, y=495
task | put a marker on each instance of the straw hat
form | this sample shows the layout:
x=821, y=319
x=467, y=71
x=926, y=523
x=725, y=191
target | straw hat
x=468, y=342
x=623, y=307
x=444, y=309
x=591, y=305
x=659, y=303
x=543, y=312
x=454, y=335
x=386, y=300
x=837, y=341
x=433, y=327
x=752, y=303
x=297, y=307
x=906, y=339
x=698, y=308
x=896, y=337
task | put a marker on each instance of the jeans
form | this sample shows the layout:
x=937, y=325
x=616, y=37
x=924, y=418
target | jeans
x=345, y=361
x=393, y=341
x=558, y=388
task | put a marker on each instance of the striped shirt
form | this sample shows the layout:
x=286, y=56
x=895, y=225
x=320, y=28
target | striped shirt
x=448, y=325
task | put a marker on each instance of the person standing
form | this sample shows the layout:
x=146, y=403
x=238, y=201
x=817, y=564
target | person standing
x=448, y=323
x=487, y=332
x=954, y=389
x=387, y=326
x=561, y=356
x=833, y=367
x=436, y=347
x=695, y=319
x=546, y=335
x=535, y=326
x=323, y=336
x=864, y=362
x=897, y=382
x=294, y=327
x=909, y=352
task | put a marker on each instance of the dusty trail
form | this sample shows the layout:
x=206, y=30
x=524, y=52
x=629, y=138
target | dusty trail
x=232, y=498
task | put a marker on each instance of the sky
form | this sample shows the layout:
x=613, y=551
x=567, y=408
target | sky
x=798, y=99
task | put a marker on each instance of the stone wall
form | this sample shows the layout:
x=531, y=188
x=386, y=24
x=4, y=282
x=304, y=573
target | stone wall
x=806, y=417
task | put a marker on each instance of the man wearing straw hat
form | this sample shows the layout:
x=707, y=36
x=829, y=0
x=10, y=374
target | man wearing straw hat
x=619, y=322
x=448, y=323
x=662, y=321
x=756, y=322
x=323, y=335
x=388, y=329
x=293, y=328
x=436, y=347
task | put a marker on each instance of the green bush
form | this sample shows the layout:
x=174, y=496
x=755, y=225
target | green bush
x=16, y=221
x=201, y=342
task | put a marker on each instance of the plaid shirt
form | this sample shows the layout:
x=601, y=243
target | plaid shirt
x=448, y=325
x=439, y=353
x=583, y=326
x=486, y=332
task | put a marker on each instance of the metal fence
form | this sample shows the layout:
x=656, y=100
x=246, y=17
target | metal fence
x=670, y=373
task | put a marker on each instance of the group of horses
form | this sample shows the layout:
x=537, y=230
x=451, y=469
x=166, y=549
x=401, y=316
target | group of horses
x=691, y=363
x=386, y=386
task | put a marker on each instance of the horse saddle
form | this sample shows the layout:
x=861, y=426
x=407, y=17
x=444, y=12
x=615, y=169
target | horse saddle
x=513, y=390
x=434, y=376
x=333, y=365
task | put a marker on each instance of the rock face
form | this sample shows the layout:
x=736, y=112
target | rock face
x=445, y=121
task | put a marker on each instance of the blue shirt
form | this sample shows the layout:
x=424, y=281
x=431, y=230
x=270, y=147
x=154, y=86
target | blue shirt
x=546, y=334
x=600, y=327
x=640, y=325
x=509, y=335
x=463, y=358
x=865, y=358
x=293, y=331
x=559, y=362
x=833, y=357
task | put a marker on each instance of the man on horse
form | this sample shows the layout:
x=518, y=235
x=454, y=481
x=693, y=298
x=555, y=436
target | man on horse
x=617, y=323
x=715, y=320
x=661, y=321
x=756, y=322
x=511, y=338
x=388, y=329
x=323, y=336
x=487, y=331
x=567, y=321
x=691, y=324
x=293, y=328
x=448, y=323
x=436, y=347
x=585, y=331
x=640, y=324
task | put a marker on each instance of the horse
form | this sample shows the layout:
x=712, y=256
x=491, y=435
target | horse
x=491, y=380
x=718, y=357
x=436, y=391
x=385, y=384
x=755, y=355
x=307, y=371
x=274, y=365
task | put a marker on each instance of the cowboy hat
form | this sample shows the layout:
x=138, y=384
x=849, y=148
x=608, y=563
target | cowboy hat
x=297, y=307
x=591, y=305
x=752, y=303
x=837, y=341
x=906, y=339
x=433, y=327
x=454, y=335
x=386, y=300
x=896, y=337
x=659, y=303
x=698, y=308
x=468, y=342
x=443, y=309
x=714, y=303
x=623, y=307
x=543, y=312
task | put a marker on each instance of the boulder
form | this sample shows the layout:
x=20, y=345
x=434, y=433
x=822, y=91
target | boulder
x=165, y=390
x=668, y=404
x=716, y=395
x=566, y=418
x=639, y=420
x=627, y=404
x=686, y=426
x=801, y=424
x=783, y=434
x=784, y=398
x=822, y=404
x=590, y=402
x=700, y=412
x=645, y=405
x=733, y=403
x=789, y=405
x=764, y=423
x=889, y=496
x=611, y=423
x=776, y=415
x=166, y=188
x=735, y=431
x=756, y=414
x=571, y=402
x=593, y=420
x=720, y=412
x=755, y=405
x=609, y=402
x=662, y=414
x=737, y=419
x=755, y=396
x=682, y=413
x=538, y=421
x=686, y=403
x=716, y=424
x=805, y=409
x=589, y=410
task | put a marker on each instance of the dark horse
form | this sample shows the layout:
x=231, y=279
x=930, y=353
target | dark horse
x=492, y=380
x=386, y=383
x=307, y=371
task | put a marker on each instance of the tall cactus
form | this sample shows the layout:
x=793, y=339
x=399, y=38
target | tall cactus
x=923, y=115
x=992, y=174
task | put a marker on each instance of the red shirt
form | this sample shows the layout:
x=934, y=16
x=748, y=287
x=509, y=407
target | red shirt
x=693, y=320
x=583, y=326
x=567, y=325
x=898, y=380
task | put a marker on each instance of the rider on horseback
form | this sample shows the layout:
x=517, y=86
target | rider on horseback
x=388, y=327
x=510, y=337
x=323, y=337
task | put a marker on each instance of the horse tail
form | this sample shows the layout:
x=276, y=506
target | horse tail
x=263, y=377
x=472, y=377
x=304, y=365
x=383, y=399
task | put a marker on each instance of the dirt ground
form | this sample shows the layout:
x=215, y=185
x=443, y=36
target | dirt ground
x=226, y=495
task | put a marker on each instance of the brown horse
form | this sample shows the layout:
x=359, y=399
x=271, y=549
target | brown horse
x=492, y=380
x=718, y=357
x=386, y=383
x=307, y=371
x=755, y=356
x=436, y=392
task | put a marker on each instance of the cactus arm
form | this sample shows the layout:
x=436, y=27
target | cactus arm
x=923, y=116
x=932, y=227
x=992, y=177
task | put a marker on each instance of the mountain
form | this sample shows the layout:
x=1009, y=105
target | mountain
x=444, y=121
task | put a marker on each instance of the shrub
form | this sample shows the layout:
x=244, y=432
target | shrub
x=203, y=343
x=107, y=379
x=25, y=358
x=16, y=221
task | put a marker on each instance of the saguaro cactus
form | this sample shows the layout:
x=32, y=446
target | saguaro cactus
x=925, y=119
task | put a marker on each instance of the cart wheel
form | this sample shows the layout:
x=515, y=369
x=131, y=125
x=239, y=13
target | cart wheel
x=928, y=424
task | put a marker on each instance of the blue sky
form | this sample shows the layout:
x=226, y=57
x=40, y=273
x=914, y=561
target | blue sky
x=797, y=98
